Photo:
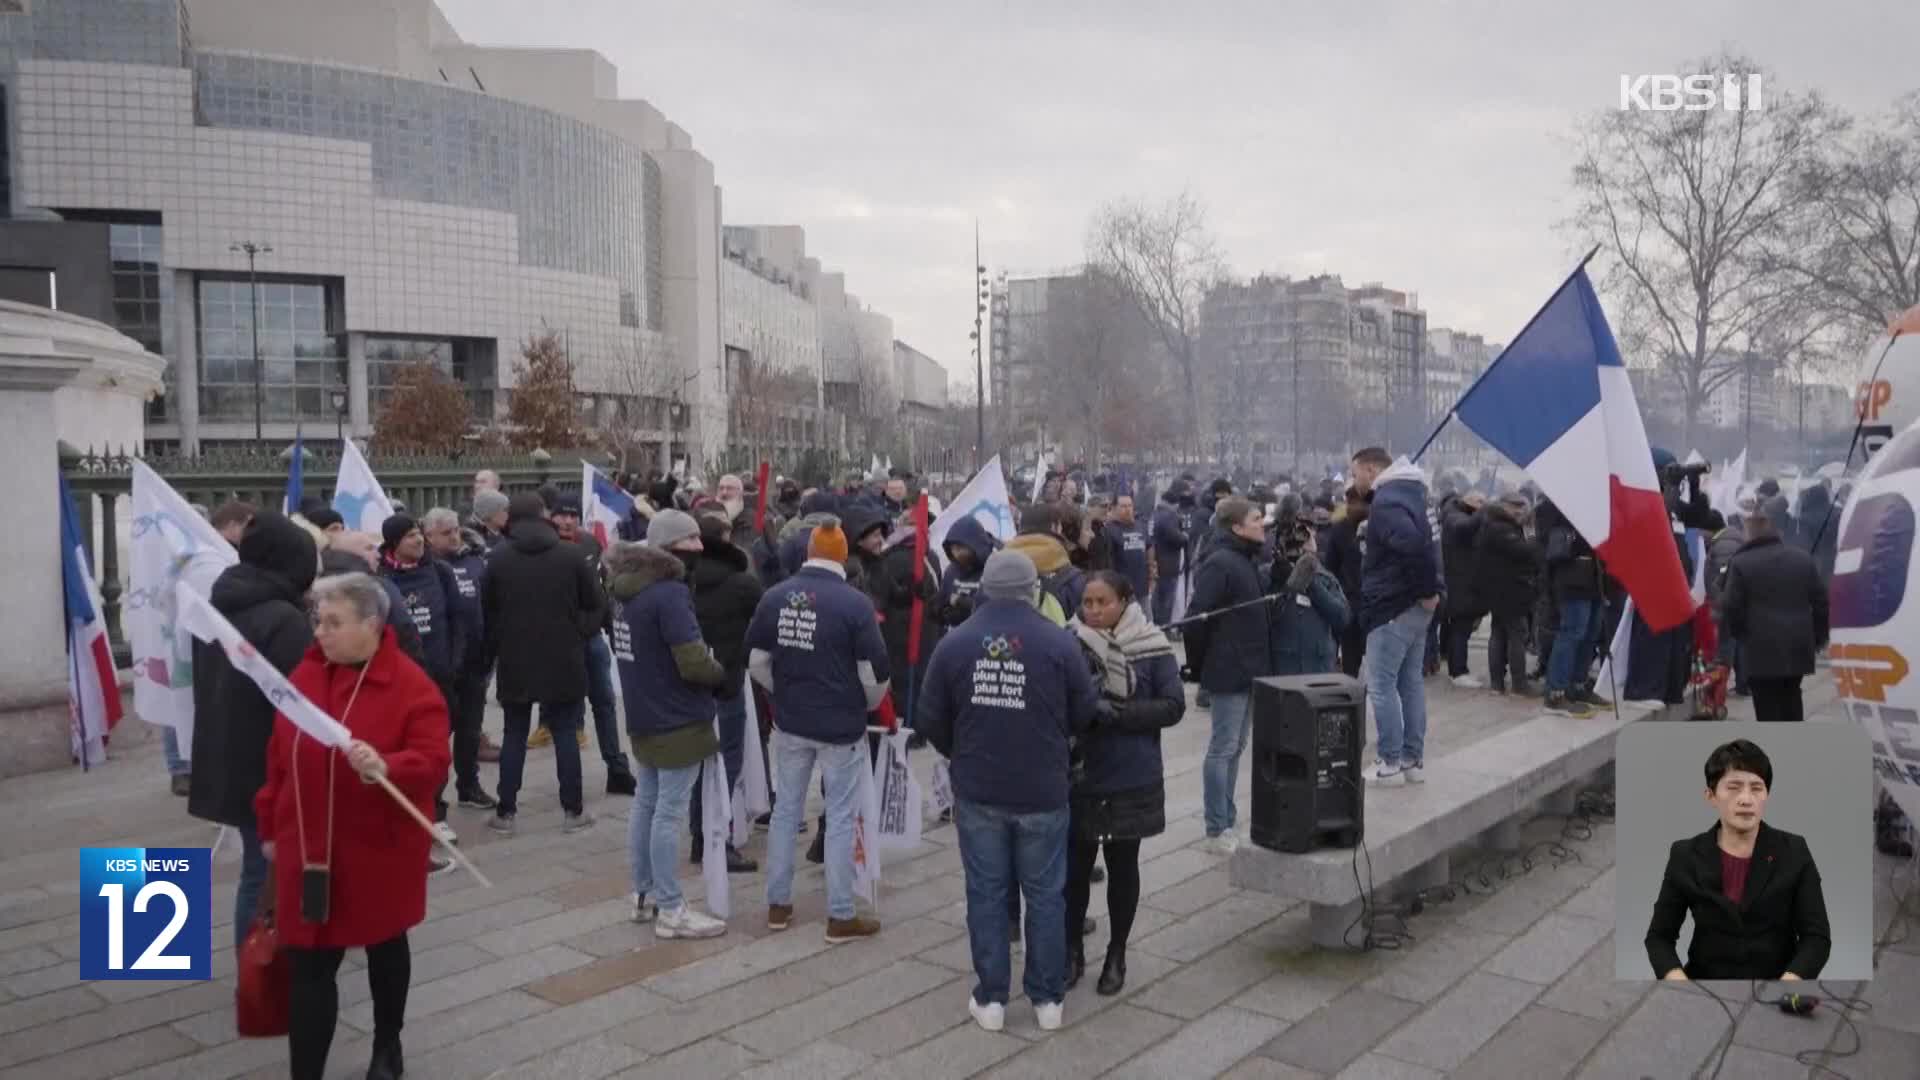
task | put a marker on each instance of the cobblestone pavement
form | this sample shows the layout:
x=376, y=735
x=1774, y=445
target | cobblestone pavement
x=542, y=976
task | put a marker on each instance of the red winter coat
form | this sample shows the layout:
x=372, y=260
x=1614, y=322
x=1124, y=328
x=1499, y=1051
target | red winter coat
x=379, y=875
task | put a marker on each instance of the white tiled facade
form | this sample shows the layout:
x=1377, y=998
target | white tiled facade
x=621, y=257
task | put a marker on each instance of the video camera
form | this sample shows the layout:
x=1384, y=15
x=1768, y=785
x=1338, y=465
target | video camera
x=1675, y=474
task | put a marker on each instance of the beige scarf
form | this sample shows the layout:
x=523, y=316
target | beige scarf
x=1132, y=640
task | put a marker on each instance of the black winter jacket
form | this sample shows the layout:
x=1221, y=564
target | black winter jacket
x=1780, y=924
x=541, y=602
x=264, y=597
x=725, y=594
x=1506, y=565
x=1459, y=530
x=1775, y=604
x=1230, y=651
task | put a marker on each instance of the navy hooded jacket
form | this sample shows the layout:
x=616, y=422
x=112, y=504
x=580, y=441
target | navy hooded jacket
x=428, y=590
x=469, y=568
x=651, y=623
x=1169, y=538
x=1129, y=554
x=1004, y=693
x=817, y=632
x=959, y=584
x=1402, y=563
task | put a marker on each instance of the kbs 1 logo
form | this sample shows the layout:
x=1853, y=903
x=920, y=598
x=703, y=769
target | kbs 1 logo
x=145, y=913
x=1690, y=93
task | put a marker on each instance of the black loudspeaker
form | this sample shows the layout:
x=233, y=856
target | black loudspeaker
x=1308, y=734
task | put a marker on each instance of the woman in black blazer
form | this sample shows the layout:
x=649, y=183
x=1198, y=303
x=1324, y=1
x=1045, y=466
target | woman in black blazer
x=1753, y=890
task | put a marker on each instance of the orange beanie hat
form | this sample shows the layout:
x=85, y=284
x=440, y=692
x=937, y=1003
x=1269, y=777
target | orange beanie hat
x=828, y=542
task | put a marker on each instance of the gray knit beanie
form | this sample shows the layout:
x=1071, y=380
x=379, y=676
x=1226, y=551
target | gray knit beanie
x=1009, y=575
x=669, y=527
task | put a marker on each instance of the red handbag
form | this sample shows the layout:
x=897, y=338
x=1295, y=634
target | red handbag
x=262, y=996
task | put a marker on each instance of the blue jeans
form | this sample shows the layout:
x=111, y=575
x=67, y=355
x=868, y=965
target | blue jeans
x=170, y=746
x=1000, y=850
x=732, y=713
x=794, y=757
x=1581, y=622
x=606, y=716
x=660, y=801
x=561, y=718
x=1397, y=687
x=1232, y=714
x=254, y=869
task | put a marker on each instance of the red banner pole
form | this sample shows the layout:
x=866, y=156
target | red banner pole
x=760, y=504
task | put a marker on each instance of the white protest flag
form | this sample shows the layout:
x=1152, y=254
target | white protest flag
x=983, y=499
x=1723, y=491
x=866, y=840
x=198, y=618
x=1039, y=478
x=357, y=496
x=716, y=816
x=873, y=468
x=1613, y=670
x=749, y=793
x=900, y=801
x=171, y=544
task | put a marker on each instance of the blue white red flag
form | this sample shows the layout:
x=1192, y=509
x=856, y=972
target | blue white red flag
x=1557, y=403
x=93, y=691
x=603, y=506
x=296, y=477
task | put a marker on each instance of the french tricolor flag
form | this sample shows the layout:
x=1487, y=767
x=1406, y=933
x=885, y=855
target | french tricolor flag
x=603, y=505
x=93, y=692
x=1558, y=403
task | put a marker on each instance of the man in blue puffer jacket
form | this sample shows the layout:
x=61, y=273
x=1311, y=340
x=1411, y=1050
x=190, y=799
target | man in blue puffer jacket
x=1400, y=587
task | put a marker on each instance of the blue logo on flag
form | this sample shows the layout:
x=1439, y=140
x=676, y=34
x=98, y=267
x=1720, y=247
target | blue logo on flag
x=145, y=913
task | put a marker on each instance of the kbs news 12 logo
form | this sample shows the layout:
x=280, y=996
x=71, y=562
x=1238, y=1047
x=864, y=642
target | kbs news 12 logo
x=144, y=913
x=1690, y=93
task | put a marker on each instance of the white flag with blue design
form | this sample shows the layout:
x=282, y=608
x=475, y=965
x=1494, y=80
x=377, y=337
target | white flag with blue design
x=357, y=496
x=984, y=499
x=171, y=544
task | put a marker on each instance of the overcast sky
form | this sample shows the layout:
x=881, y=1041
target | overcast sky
x=1418, y=144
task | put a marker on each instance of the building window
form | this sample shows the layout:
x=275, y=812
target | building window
x=300, y=352
x=6, y=160
x=470, y=362
x=139, y=309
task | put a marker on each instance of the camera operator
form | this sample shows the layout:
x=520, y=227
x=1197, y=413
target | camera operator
x=1311, y=608
x=1658, y=665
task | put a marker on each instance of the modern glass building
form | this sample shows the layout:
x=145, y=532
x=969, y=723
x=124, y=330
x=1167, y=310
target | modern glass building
x=407, y=197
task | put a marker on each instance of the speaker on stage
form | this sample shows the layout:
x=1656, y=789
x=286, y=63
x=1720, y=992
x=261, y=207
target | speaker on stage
x=1308, y=734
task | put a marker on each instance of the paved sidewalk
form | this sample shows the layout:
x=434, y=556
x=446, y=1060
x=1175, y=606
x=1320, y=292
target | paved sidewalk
x=542, y=976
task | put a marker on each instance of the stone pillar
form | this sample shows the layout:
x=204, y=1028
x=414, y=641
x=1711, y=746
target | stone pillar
x=186, y=360
x=52, y=365
x=359, y=415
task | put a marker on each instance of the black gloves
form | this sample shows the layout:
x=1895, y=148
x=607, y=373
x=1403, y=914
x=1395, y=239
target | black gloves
x=1187, y=674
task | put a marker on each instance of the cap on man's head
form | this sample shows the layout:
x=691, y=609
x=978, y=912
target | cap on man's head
x=395, y=529
x=1009, y=575
x=488, y=503
x=525, y=506
x=828, y=542
x=669, y=527
x=567, y=504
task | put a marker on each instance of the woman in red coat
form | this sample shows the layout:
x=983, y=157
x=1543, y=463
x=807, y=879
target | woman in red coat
x=350, y=866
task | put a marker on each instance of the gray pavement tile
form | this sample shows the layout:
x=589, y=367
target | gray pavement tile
x=1549, y=949
x=472, y=924
x=1207, y=1047
x=1540, y=1044
x=61, y=1036
x=1175, y=867
x=1308, y=979
x=910, y=1023
x=666, y=1031
x=1193, y=989
x=1522, y=901
x=1265, y=1068
x=1765, y=1027
x=554, y=1030
x=1669, y=1034
x=589, y=1059
x=1746, y=1063
x=1460, y=1021
x=964, y=1050
x=762, y=955
x=1089, y=1047
x=1590, y=989
x=31, y=958
x=1883, y=1053
x=1596, y=901
x=112, y=1057
x=524, y=937
x=1380, y=1067
x=476, y=1019
x=1340, y=1031
x=47, y=1008
x=816, y=1061
x=845, y=963
x=1200, y=891
x=425, y=999
x=233, y=1058
x=823, y=1014
x=1201, y=933
x=1425, y=968
x=1894, y=990
x=710, y=1059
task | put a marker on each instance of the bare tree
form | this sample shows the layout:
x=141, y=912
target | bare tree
x=643, y=378
x=1163, y=259
x=1811, y=342
x=764, y=400
x=1096, y=357
x=1688, y=203
x=1859, y=251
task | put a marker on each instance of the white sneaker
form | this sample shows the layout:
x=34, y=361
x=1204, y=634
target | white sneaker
x=685, y=922
x=1414, y=774
x=1646, y=705
x=1381, y=774
x=445, y=832
x=643, y=912
x=1048, y=1015
x=989, y=1017
x=1224, y=844
x=1468, y=682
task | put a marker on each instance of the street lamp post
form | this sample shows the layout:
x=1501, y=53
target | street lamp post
x=339, y=398
x=980, y=294
x=253, y=251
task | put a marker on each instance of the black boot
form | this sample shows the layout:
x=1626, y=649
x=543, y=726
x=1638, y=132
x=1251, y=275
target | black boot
x=1099, y=874
x=1076, y=963
x=387, y=1063
x=738, y=863
x=817, y=851
x=1113, y=977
